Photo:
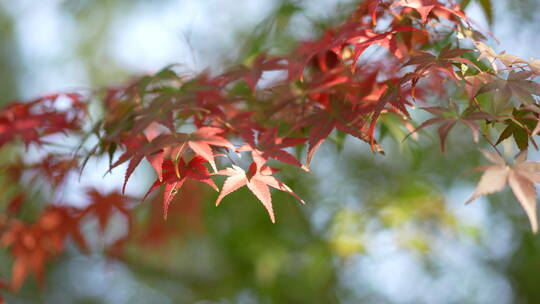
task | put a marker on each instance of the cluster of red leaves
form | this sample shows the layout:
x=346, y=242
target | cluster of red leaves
x=324, y=89
x=241, y=125
x=33, y=120
x=33, y=245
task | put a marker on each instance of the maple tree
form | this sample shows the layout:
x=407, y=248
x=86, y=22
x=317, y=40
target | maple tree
x=202, y=126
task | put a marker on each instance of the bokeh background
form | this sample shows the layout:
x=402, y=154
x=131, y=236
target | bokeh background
x=377, y=229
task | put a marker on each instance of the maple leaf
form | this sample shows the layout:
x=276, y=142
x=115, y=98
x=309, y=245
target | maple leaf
x=159, y=108
x=33, y=245
x=28, y=246
x=162, y=110
x=55, y=168
x=200, y=143
x=307, y=50
x=103, y=206
x=435, y=7
x=448, y=117
x=394, y=96
x=336, y=41
x=444, y=62
x=231, y=119
x=368, y=8
x=516, y=84
x=174, y=177
x=343, y=116
x=257, y=180
x=269, y=145
x=139, y=147
x=521, y=177
x=474, y=83
x=423, y=7
x=252, y=72
x=241, y=123
x=61, y=222
x=364, y=39
x=35, y=119
x=508, y=60
x=328, y=80
x=17, y=120
x=519, y=126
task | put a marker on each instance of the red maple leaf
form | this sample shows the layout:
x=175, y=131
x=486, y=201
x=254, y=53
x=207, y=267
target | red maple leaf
x=30, y=249
x=345, y=117
x=426, y=62
x=269, y=145
x=175, y=176
x=257, y=180
x=16, y=121
x=103, y=206
x=423, y=7
x=253, y=73
x=364, y=39
x=55, y=167
x=33, y=120
x=32, y=246
x=62, y=222
x=139, y=147
x=199, y=142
